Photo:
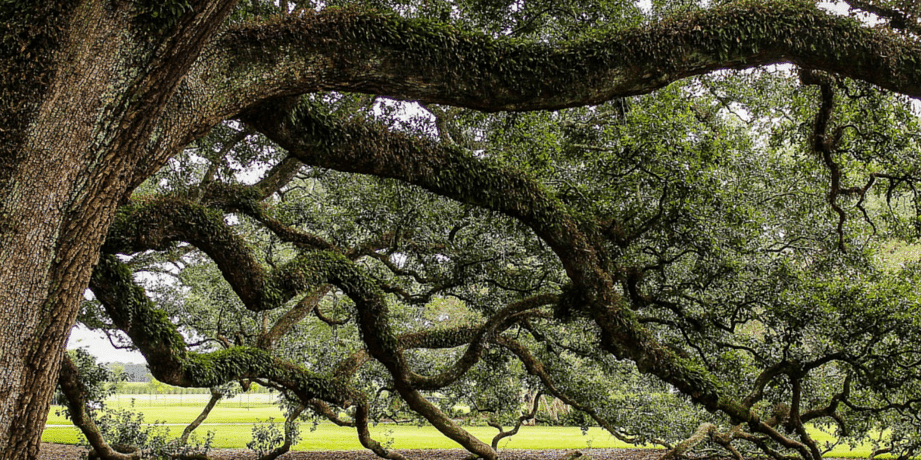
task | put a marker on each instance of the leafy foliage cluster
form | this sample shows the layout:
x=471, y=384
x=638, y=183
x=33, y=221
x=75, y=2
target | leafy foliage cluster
x=707, y=261
x=124, y=429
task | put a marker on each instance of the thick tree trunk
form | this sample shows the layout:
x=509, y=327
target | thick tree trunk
x=58, y=205
x=57, y=223
x=63, y=181
x=45, y=264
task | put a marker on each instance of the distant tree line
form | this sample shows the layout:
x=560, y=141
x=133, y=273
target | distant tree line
x=133, y=372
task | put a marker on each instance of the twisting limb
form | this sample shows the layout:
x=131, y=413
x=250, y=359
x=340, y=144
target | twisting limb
x=170, y=361
x=497, y=322
x=290, y=429
x=453, y=173
x=278, y=177
x=159, y=223
x=329, y=321
x=218, y=158
x=364, y=434
x=765, y=378
x=795, y=409
x=215, y=397
x=308, y=304
x=762, y=444
x=323, y=409
x=535, y=403
x=831, y=409
x=725, y=440
x=878, y=452
x=156, y=224
x=825, y=144
x=779, y=438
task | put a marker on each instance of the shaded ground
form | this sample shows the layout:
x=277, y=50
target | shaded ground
x=66, y=452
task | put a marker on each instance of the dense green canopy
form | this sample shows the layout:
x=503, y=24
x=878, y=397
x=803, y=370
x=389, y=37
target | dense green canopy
x=684, y=220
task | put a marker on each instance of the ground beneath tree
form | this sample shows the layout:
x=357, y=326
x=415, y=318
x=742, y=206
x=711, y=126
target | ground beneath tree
x=67, y=452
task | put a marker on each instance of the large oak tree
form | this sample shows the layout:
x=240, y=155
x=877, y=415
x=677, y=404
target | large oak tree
x=97, y=96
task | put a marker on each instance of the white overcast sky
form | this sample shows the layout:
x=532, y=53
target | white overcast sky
x=98, y=346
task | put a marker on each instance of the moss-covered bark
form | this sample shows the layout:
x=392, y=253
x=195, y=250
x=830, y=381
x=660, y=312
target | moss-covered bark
x=171, y=362
x=150, y=330
x=363, y=51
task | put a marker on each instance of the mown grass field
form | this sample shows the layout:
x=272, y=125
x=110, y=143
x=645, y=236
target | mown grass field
x=232, y=421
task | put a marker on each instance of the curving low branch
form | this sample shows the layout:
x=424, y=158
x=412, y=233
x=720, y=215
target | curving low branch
x=535, y=403
x=170, y=361
x=216, y=396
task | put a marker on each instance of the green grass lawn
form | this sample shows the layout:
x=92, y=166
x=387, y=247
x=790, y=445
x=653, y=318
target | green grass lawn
x=331, y=437
x=172, y=409
x=232, y=420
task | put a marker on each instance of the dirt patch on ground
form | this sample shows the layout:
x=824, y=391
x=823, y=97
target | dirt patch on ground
x=67, y=452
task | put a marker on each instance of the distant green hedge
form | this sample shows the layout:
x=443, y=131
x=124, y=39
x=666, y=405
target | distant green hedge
x=143, y=388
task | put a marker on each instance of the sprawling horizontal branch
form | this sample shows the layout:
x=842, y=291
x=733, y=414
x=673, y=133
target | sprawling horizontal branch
x=155, y=225
x=352, y=50
x=478, y=339
x=366, y=148
x=158, y=223
x=377, y=53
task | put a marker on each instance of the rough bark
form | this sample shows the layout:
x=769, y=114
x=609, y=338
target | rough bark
x=68, y=174
x=57, y=212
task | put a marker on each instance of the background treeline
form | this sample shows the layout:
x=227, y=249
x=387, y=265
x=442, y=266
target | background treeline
x=133, y=372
